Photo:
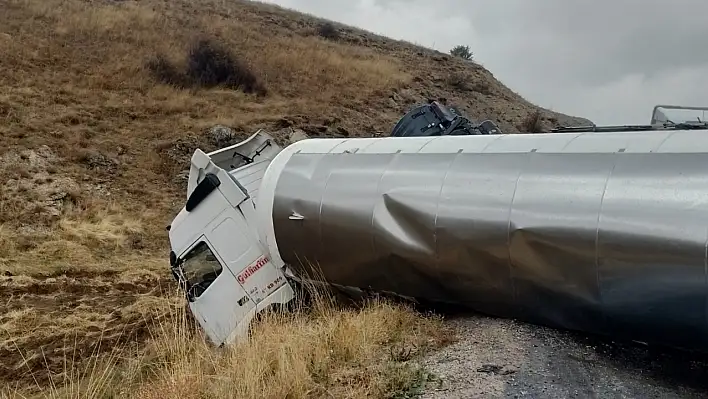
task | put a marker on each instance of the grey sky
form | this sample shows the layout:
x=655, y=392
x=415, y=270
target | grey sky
x=608, y=60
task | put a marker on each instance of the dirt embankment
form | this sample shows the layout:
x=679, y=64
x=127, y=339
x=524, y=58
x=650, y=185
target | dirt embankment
x=101, y=105
x=52, y=324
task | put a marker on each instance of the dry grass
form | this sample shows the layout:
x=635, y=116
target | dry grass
x=93, y=236
x=53, y=326
x=319, y=351
x=533, y=123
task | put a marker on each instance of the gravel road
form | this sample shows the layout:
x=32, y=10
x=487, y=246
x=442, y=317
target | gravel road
x=497, y=358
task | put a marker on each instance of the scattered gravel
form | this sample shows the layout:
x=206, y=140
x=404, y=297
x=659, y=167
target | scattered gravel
x=497, y=358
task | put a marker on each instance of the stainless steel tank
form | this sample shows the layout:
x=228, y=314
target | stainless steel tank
x=598, y=232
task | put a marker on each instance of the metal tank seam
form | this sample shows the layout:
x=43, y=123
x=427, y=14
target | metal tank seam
x=324, y=190
x=429, y=141
x=705, y=260
x=373, y=210
x=705, y=251
x=597, y=226
x=372, y=230
x=340, y=143
x=490, y=143
x=508, y=232
x=570, y=141
x=597, y=239
x=437, y=211
x=508, y=235
x=366, y=146
x=658, y=147
x=529, y=154
x=705, y=281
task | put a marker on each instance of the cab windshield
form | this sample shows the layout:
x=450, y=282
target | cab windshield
x=200, y=268
x=676, y=114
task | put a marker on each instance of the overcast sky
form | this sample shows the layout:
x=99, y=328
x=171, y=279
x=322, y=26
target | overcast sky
x=608, y=60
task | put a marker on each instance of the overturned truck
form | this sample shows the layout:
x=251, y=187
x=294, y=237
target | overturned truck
x=595, y=229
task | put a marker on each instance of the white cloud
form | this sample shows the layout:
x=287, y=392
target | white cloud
x=609, y=61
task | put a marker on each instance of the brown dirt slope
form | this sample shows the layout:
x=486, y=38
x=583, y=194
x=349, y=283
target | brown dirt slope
x=101, y=106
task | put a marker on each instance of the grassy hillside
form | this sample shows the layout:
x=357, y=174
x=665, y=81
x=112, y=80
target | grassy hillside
x=101, y=104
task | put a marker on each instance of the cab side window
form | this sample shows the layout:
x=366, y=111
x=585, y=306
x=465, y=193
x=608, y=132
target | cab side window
x=200, y=268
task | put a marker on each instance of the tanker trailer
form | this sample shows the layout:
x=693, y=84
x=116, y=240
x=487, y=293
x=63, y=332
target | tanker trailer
x=601, y=233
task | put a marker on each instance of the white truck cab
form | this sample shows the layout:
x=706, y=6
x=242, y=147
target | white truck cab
x=217, y=257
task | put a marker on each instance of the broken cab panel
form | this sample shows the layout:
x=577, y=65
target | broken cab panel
x=217, y=301
x=224, y=269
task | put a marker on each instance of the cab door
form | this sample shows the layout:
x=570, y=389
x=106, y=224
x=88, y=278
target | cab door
x=217, y=300
x=232, y=269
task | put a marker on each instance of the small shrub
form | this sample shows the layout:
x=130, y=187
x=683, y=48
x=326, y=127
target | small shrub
x=483, y=88
x=209, y=65
x=458, y=81
x=533, y=123
x=327, y=30
x=161, y=68
x=20, y=171
x=462, y=52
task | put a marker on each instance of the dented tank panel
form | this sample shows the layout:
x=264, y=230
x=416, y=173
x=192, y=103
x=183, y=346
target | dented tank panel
x=602, y=233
